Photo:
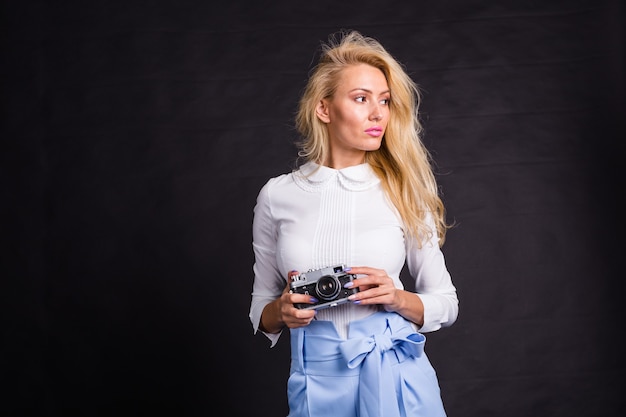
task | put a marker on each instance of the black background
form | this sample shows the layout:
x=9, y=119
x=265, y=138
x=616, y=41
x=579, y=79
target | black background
x=136, y=135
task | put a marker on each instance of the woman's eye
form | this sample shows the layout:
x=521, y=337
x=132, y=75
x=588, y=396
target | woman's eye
x=360, y=99
x=384, y=101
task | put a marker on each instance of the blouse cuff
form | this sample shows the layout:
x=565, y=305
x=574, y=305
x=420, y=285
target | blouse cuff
x=273, y=337
x=434, y=313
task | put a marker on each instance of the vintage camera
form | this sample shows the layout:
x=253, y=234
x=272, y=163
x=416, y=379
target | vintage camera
x=325, y=284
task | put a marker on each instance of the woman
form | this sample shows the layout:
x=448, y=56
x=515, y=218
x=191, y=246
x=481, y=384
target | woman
x=364, y=197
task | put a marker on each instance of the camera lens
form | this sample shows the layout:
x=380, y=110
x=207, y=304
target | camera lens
x=327, y=287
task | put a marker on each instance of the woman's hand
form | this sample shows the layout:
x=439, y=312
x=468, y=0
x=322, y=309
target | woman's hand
x=375, y=287
x=291, y=316
x=282, y=312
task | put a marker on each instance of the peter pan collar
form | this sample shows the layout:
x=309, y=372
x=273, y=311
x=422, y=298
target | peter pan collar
x=314, y=177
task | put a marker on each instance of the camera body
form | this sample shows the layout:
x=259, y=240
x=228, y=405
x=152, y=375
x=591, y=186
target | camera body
x=325, y=284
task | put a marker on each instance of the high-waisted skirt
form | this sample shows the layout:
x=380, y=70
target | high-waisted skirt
x=380, y=370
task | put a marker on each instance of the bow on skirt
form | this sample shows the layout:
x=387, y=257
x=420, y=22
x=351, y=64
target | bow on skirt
x=381, y=370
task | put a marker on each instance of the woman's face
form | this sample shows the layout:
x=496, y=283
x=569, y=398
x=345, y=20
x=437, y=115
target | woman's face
x=356, y=115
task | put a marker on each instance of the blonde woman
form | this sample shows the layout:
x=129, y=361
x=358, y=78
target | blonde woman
x=331, y=238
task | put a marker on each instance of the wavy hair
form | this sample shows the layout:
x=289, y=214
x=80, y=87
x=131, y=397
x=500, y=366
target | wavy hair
x=402, y=162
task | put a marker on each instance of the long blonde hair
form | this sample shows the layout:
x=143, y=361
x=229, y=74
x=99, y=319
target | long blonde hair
x=402, y=163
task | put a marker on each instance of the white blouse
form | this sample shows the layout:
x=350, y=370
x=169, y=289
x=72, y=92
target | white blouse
x=319, y=216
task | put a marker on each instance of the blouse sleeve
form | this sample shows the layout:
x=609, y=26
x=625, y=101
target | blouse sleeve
x=433, y=283
x=268, y=281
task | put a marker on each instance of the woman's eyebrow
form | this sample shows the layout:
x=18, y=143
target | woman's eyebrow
x=368, y=90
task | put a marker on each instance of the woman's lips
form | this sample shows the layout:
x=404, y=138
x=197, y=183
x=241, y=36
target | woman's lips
x=374, y=131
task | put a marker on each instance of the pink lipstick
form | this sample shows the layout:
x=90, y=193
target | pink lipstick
x=374, y=131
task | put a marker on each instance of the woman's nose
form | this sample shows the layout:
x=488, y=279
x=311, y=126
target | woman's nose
x=376, y=113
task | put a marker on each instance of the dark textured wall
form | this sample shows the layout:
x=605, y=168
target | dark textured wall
x=136, y=135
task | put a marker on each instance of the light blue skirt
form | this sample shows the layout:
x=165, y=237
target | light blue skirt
x=381, y=370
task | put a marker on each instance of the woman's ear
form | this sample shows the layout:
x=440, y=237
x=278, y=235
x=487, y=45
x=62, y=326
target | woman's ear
x=322, y=111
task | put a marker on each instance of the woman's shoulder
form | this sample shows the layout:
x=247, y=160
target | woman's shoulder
x=288, y=178
x=280, y=179
x=277, y=182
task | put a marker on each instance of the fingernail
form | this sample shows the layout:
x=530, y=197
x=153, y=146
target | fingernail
x=348, y=284
x=356, y=302
x=314, y=300
x=347, y=269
